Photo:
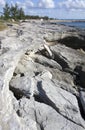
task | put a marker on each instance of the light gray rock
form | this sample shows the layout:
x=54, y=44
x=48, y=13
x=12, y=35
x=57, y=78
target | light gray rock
x=61, y=76
x=26, y=110
x=46, y=75
x=71, y=61
x=46, y=62
x=72, y=88
x=8, y=62
x=62, y=101
x=29, y=68
x=67, y=57
x=70, y=37
x=22, y=86
x=38, y=116
x=24, y=70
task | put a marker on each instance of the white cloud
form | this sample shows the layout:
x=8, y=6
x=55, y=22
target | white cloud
x=23, y=5
x=27, y=3
x=46, y=4
x=2, y=2
x=73, y=4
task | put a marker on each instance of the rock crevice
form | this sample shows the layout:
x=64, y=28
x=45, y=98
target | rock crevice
x=42, y=85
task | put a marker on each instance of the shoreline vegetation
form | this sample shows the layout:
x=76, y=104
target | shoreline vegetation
x=3, y=22
x=14, y=15
x=3, y=26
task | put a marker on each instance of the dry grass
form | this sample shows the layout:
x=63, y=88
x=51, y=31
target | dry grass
x=2, y=26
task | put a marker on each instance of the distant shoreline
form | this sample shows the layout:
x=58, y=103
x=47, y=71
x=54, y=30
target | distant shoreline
x=67, y=20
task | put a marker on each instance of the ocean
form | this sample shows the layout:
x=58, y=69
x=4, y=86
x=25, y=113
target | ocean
x=80, y=25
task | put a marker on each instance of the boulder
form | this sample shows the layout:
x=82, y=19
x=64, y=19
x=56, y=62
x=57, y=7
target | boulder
x=22, y=86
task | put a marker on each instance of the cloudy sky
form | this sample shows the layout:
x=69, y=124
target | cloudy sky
x=61, y=9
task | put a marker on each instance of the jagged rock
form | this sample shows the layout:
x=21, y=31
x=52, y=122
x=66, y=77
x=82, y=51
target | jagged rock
x=38, y=116
x=67, y=57
x=80, y=79
x=8, y=24
x=32, y=83
x=70, y=87
x=35, y=64
x=60, y=100
x=82, y=99
x=26, y=111
x=45, y=61
x=22, y=86
x=30, y=68
x=27, y=66
x=46, y=75
x=25, y=86
x=64, y=80
x=71, y=61
x=72, y=38
x=8, y=62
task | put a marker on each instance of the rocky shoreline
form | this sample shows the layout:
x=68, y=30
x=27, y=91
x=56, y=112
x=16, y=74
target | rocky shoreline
x=42, y=77
x=67, y=20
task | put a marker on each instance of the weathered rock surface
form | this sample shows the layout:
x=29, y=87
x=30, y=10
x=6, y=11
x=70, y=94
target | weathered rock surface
x=67, y=57
x=62, y=101
x=70, y=58
x=71, y=37
x=41, y=116
x=40, y=84
x=8, y=62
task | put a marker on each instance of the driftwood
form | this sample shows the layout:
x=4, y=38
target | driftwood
x=48, y=50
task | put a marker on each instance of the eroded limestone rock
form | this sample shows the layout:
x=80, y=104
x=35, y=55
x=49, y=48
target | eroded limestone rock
x=37, y=91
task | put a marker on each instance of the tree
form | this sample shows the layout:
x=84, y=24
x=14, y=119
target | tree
x=21, y=14
x=14, y=11
x=6, y=11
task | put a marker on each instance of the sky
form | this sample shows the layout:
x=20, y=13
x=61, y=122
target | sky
x=60, y=9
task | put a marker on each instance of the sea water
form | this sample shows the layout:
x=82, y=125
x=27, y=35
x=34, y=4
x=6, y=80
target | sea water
x=74, y=24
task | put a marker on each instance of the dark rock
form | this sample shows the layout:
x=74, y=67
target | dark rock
x=9, y=24
x=80, y=78
x=70, y=37
x=82, y=99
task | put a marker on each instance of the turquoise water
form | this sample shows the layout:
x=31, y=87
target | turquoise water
x=75, y=24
